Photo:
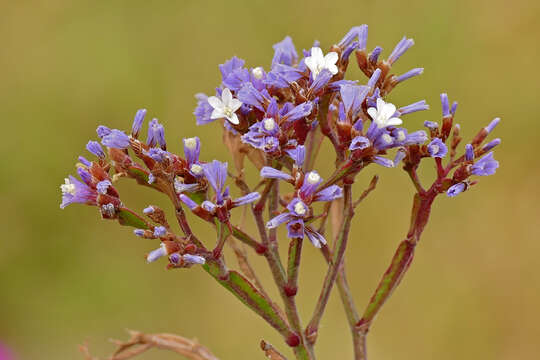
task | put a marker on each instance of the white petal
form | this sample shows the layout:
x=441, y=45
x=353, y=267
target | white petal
x=388, y=111
x=311, y=64
x=372, y=112
x=235, y=105
x=233, y=119
x=317, y=53
x=215, y=102
x=333, y=69
x=394, y=121
x=226, y=96
x=331, y=58
x=217, y=114
x=380, y=104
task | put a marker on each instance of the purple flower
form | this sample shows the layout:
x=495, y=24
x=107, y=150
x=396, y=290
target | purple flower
x=263, y=135
x=284, y=52
x=490, y=145
x=230, y=66
x=400, y=49
x=160, y=231
x=298, y=112
x=456, y=189
x=103, y=131
x=383, y=161
x=409, y=74
x=157, y=154
x=437, y=148
x=298, y=154
x=469, y=152
x=156, y=254
x=311, y=181
x=417, y=106
x=328, y=194
x=138, y=232
x=189, y=203
x=247, y=199
x=95, y=148
x=359, y=143
x=374, y=56
x=203, y=111
x=84, y=161
x=192, y=150
x=116, y=139
x=137, y=122
x=74, y=191
x=486, y=165
x=156, y=134
x=85, y=176
x=193, y=259
x=321, y=80
x=416, y=138
x=148, y=210
x=103, y=186
x=353, y=96
x=268, y=172
x=492, y=125
x=431, y=125
x=248, y=94
x=445, y=105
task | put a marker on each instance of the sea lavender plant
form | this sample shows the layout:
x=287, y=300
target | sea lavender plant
x=277, y=119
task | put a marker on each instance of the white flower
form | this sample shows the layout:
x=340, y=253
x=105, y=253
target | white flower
x=225, y=107
x=269, y=124
x=382, y=115
x=299, y=208
x=68, y=187
x=317, y=62
x=257, y=72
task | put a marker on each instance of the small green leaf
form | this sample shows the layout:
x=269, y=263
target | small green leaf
x=129, y=218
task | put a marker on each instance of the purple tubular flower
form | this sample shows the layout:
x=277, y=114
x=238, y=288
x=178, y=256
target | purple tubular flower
x=431, y=125
x=160, y=231
x=230, y=66
x=216, y=174
x=409, y=74
x=148, y=210
x=156, y=134
x=336, y=85
x=189, y=203
x=299, y=111
x=362, y=37
x=209, y=206
x=248, y=94
x=156, y=254
x=285, y=52
x=490, y=145
x=417, y=106
x=492, y=125
x=485, y=166
x=359, y=143
x=374, y=78
x=192, y=149
x=204, y=110
x=116, y=139
x=321, y=80
x=445, y=105
x=298, y=155
x=281, y=76
x=268, y=172
x=453, y=108
x=456, y=189
x=353, y=96
x=157, y=154
x=437, y=149
x=310, y=184
x=137, y=122
x=84, y=161
x=247, y=199
x=278, y=220
x=180, y=187
x=400, y=49
x=139, y=232
x=193, y=259
x=103, y=186
x=74, y=191
x=95, y=148
x=348, y=51
x=349, y=37
x=416, y=138
x=103, y=131
x=316, y=239
x=383, y=161
x=374, y=56
x=85, y=176
x=469, y=152
x=328, y=194
x=400, y=155
x=295, y=228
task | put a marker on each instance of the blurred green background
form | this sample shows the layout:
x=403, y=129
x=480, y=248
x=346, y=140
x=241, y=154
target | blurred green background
x=67, y=277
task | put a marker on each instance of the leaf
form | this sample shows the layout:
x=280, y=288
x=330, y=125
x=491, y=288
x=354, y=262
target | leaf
x=129, y=218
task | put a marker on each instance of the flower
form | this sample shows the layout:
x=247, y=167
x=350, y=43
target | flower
x=400, y=49
x=383, y=115
x=485, y=166
x=469, y=152
x=156, y=134
x=456, y=189
x=115, y=139
x=95, y=148
x=74, y=191
x=284, y=52
x=318, y=62
x=437, y=148
x=137, y=122
x=225, y=107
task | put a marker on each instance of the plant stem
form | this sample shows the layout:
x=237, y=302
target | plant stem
x=333, y=269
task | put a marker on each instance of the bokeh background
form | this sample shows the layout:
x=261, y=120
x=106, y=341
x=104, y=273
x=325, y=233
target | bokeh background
x=67, y=277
